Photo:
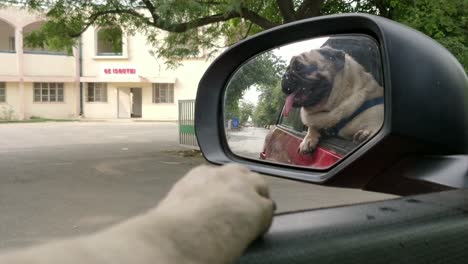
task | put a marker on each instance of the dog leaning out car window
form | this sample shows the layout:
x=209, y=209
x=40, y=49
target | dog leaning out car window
x=336, y=95
x=310, y=102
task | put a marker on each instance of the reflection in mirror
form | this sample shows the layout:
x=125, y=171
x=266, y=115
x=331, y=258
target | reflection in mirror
x=308, y=103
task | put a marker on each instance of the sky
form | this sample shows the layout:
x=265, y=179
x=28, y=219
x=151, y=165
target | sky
x=286, y=52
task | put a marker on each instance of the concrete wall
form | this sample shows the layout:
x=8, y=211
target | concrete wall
x=49, y=65
x=61, y=68
x=149, y=70
x=20, y=70
x=9, y=64
x=150, y=110
x=160, y=111
x=19, y=18
x=12, y=100
x=101, y=109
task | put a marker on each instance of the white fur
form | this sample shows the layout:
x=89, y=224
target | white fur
x=209, y=216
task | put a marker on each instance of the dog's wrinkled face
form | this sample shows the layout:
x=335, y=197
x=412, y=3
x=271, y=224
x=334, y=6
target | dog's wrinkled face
x=308, y=79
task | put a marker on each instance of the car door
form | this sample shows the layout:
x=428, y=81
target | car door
x=282, y=144
x=424, y=89
x=418, y=229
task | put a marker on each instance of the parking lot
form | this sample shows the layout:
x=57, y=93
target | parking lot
x=64, y=179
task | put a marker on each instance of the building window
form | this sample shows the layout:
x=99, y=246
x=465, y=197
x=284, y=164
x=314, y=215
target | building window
x=163, y=93
x=48, y=92
x=109, y=41
x=2, y=92
x=32, y=49
x=97, y=92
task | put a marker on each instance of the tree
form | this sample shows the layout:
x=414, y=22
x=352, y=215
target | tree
x=263, y=72
x=445, y=21
x=195, y=25
x=192, y=25
x=246, y=110
x=269, y=106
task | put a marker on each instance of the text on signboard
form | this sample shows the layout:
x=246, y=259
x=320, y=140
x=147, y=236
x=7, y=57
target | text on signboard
x=119, y=71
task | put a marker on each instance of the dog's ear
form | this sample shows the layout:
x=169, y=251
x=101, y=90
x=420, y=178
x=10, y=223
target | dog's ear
x=337, y=57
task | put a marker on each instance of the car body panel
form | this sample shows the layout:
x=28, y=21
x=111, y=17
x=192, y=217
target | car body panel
x=281, y=146
x=431, y=228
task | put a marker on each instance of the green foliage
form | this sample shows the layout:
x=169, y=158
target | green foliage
x=269, y=106
x=189, y=28
x=246, y=110
x=50, y=38
x=7, y=113
x=444, y=21
x=262, y=72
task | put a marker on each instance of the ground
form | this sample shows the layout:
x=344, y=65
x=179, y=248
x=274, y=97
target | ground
x=64, y=179
x=248, y=141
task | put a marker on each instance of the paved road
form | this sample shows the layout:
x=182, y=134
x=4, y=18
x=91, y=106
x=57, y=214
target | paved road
x=64, y=179
x=247, y=142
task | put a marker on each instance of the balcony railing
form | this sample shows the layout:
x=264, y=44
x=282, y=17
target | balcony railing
x=46, y=52
x=39, y=65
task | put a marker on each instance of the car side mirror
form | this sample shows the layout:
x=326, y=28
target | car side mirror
x=339, y=100
x=309, y=103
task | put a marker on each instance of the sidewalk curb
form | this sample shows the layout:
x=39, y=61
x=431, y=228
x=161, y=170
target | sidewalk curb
x=126, y=121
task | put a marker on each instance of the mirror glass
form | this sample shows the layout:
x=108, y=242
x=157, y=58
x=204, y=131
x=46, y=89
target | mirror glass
x=307, y=103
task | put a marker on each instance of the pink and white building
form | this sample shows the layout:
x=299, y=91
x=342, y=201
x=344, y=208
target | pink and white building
x=99, y=80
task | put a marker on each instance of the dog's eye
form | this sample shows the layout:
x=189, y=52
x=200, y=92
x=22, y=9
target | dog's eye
x=298, y=67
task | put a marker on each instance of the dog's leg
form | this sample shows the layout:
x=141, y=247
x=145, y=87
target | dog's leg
x=365, y=125
x=209, y=216
x=310, y=141
x=361, y=135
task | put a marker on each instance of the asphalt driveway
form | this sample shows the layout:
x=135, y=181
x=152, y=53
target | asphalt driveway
x=64, y=179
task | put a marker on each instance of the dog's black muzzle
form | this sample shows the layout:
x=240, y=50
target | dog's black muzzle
x=293, y=78
x=308, y=92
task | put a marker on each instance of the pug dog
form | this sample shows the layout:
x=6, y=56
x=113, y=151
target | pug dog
x=334, y=93
x=209, y=216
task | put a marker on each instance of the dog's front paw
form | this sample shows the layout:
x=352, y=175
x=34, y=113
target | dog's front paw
x=362, y=135
x=214, y=213
x=308, y=145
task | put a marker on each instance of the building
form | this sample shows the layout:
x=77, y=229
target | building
x=99, y=80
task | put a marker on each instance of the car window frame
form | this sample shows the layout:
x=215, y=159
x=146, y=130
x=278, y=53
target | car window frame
x=289, y=129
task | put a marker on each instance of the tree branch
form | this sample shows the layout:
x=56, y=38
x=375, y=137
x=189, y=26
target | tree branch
x=286, y=8
x=149, y=5
x=245, y=13
x=209, y=2
x=309, y=8
x=92, y=19
x=257, y=19
x=179, y=27
x=248, y=31
x=183, y=27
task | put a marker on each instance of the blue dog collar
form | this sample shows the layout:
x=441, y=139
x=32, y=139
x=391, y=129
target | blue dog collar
x=333, y=131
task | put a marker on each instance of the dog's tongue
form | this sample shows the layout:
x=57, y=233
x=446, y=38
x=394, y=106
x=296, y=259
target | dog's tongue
x=288, y=104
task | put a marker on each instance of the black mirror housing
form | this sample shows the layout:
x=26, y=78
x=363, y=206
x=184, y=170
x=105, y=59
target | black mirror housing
x=426, y=99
